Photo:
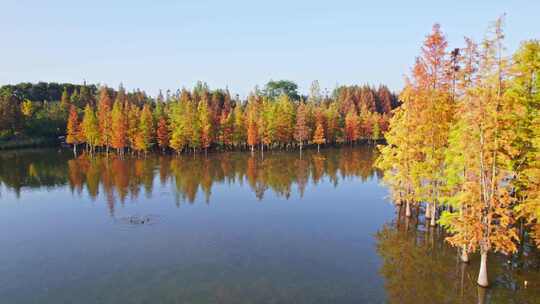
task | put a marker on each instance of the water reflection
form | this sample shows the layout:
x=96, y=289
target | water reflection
x=344, y=245
x=420, y=267
x=122, y=179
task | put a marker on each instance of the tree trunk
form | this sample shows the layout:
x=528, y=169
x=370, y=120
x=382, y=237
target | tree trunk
x=428, y=211
x=481, y=295
x=318, y=148
x=482, y=275
x=75, y=150
x=408, y=210
x=464, y=255
x=433, y=222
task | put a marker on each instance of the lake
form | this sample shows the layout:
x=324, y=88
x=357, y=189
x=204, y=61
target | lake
x=230, y=227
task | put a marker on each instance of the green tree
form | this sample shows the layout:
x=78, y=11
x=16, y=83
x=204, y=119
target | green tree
x=90, y=127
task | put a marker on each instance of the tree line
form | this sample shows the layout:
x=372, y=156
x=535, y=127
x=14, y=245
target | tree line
x=465, y=143
x=201, y=119
x=103, y=119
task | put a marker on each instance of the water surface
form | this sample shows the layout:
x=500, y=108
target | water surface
x=226, y=228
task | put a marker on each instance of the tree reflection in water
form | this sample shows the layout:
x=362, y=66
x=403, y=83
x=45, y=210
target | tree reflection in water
x=124, y=179
x=417, y=265
x=420, y=267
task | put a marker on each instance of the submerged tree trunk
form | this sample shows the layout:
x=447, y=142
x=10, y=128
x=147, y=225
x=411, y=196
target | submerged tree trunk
x=464, y=255
x=408, y=209
x=433, y=222
x=481, y=295
x=482, y=275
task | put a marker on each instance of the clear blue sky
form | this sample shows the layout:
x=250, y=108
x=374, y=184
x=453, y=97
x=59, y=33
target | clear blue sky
x=156, y=45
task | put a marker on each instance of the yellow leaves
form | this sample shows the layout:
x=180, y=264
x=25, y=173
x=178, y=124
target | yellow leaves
x=27, y=108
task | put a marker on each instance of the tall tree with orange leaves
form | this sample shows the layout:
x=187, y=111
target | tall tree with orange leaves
x=73, y=129
x=481, y=143
x=118, y=126
x=301, y=131
x=104, y=118
x=251, y=123
x=205, y=123
x=162, y=133
x=352, y=126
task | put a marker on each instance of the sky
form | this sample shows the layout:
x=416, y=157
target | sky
x=155, y=45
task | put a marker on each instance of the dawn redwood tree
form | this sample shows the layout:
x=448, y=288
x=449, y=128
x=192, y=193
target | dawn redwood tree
x=90, y=127
x=399, y=156
x=205, y=123
x=351, y=126
x=239, y=129
x=301, y=131
x=485, y=134
x=194, y=129
x=319, y=136
x=252, y=123
x=226, y=129
x=331, y=123
x=73, y=128
x=104, y=118
x=119, y=127
x=178, y=137
x=284, y=120
x=145, y=131
x=133, y=115
x=162, y=133
x=524, y=97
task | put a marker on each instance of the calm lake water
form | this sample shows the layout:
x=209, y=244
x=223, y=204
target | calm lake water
x=227, y=228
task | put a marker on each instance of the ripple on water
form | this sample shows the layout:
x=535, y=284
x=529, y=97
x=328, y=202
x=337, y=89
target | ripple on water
x=137, y=220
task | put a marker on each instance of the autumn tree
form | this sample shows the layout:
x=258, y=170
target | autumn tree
x=205, y=123
x=301, y=131
x=332, y=123
x=104, y=118
x=145, y=132
x=133, y=113
x=179, y=137
x=483, y=137
x=239, y=128
x=284, y=119
x=118, y=126
x=73, y=128
x=351, y=126
x=318, y=135
x=162, y=133
x=251, y=123
x=90, y=128
x=523, y=96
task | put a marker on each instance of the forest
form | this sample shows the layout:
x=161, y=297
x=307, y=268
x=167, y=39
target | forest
x=101, y=119
x=463, y=147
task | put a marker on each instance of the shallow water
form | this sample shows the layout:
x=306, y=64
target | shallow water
x=226, y=228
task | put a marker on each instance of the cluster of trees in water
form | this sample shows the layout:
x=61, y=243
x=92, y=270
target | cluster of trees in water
x=277, y=116
x=419, y=266
x=465, y=143
x=121, y=178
